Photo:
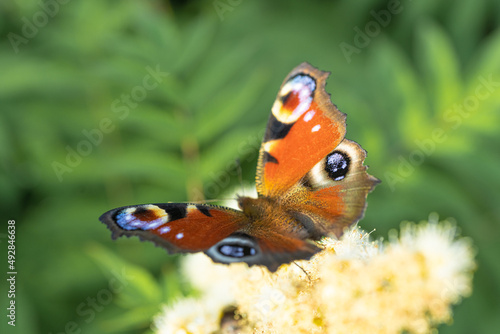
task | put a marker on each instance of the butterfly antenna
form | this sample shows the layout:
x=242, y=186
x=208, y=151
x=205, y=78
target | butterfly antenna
x=212, y=200
x=305, y=272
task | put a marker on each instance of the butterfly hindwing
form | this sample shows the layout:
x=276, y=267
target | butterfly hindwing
x=304, y=127
x=339, y=185
x=177, y=227
x=270, y=249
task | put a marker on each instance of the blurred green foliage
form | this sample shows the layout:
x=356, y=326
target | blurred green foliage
x=157, y=99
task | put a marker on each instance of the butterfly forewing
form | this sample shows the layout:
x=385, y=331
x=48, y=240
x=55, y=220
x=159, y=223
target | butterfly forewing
x=178, y=227
x=303, y=128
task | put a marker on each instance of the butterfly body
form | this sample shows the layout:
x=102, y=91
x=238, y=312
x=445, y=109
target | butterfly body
x=266, y=215
x=311, y=183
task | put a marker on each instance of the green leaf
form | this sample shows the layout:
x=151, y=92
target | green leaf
x=139, y=286
x=198, y=38
x=227, y=107
x=220, y=157
x=135, y=317
x=439, y=65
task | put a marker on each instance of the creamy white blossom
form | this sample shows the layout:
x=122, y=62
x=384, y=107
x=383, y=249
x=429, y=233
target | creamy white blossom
x=355, y=285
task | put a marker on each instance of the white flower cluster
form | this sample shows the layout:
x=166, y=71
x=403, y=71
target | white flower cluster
x=354, y=285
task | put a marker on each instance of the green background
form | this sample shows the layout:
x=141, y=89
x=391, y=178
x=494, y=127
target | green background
x=418, y=80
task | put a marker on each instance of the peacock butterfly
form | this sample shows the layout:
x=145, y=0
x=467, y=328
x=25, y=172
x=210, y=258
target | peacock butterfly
x=311, y=183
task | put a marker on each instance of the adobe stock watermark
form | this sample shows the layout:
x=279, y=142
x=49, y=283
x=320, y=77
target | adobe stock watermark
x=31, y=26
x=372, y=29
x=223, y=6
x=92, y=305
x=249, y=148
x=268, y=304
x=454, y=118
x=220, y=180
x=270, y=297
x=120, y=109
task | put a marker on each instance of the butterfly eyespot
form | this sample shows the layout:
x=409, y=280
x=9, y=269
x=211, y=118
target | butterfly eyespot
x=237, y=251
x=337, y=165
x=235, y=248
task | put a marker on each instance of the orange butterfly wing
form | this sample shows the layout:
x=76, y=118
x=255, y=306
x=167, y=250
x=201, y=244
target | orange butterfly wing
x=303, y=128
x=338, y=186
x=177, y=227
x=302, y=155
